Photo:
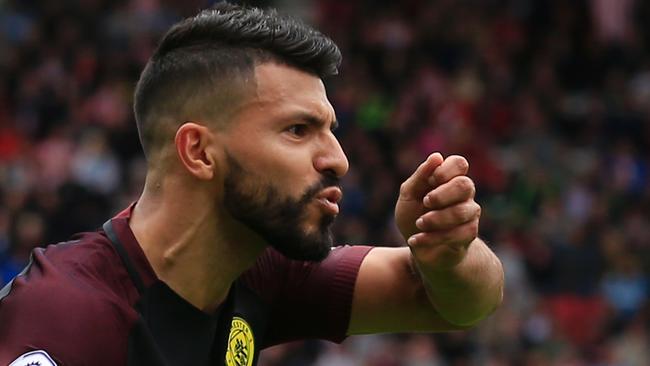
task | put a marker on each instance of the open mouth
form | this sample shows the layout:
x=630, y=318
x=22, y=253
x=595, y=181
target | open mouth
x=329, y=199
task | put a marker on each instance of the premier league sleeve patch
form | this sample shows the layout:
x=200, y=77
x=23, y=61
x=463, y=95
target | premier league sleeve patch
x=34, y=358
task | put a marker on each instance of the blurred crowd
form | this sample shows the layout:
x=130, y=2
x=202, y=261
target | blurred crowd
x=548, y=99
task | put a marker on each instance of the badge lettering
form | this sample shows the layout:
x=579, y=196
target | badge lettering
x=241, y=344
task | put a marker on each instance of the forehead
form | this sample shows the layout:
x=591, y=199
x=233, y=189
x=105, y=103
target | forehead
x=284, y=89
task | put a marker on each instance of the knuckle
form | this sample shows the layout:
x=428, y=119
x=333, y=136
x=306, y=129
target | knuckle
x=460, y=213
x=473, y=229
x=403, y=188
x=424, y=222
x=434, y=199
x=464, y=183
x=461, y=163
x=449, y=237
x=431, y=215
x=472, y=186
x=439, y=174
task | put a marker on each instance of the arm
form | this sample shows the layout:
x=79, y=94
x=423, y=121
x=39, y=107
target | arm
x=469, y=291
x=447, y=278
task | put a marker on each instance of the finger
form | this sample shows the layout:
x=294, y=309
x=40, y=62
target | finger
x=458, y=237
x=458, y=189
x=453, y=166
x=417, y=185
x=450, y=217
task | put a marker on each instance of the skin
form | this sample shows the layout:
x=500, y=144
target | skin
x=446, y=278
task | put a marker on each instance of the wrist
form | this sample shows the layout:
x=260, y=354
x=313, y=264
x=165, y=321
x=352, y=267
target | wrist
x=439, y=260
x=467, y=291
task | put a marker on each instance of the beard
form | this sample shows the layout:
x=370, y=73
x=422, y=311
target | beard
x=278, y=219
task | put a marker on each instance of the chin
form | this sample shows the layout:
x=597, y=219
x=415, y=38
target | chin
x=312, y=247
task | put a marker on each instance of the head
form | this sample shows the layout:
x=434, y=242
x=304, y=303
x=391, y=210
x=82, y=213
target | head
x=233, y=100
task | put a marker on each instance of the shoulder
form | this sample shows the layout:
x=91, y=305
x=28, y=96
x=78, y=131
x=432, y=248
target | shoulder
x=65, y=302
x=273, y=267
x=307, y=299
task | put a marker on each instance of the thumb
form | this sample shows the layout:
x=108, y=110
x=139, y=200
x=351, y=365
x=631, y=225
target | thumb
x=417, y=185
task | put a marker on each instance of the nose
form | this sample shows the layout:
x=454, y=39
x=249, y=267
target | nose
x=331, y=157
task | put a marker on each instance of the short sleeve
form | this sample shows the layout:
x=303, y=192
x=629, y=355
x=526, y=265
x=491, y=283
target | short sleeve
x=44, y=311
x=307, y=300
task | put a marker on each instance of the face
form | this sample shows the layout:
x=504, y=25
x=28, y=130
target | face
x=283, y=163
x=276, y=217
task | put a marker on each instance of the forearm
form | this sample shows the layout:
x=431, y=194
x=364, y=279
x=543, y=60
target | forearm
x=469, y=291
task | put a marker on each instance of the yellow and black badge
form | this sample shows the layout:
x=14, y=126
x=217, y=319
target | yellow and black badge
x=241, y=344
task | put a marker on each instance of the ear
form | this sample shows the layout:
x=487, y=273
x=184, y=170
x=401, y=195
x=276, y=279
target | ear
x=192, y=146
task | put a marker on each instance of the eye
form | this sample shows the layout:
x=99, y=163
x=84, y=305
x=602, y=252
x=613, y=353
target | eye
x=298, y=130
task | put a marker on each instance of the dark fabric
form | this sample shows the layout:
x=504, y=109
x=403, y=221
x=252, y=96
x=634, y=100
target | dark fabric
x=79, y=314
x=306, y=300
x=173, y=330
x=124, y=256
x=78, y=302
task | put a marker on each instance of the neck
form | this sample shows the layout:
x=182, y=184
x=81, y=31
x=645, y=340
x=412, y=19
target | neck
x=197, y=249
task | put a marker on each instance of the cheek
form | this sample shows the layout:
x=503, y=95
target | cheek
x=288, y=167
x=289, y=178
x=289, y=172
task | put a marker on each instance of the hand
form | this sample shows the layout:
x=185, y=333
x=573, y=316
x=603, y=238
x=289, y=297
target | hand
x=437, y=213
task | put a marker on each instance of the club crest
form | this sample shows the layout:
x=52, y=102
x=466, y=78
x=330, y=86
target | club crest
x=241, y=344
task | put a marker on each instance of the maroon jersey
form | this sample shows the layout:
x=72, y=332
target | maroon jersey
x=95, y=300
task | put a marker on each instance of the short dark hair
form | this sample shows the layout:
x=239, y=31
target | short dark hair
x=199, y=60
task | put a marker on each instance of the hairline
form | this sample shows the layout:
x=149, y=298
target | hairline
x=247, y=86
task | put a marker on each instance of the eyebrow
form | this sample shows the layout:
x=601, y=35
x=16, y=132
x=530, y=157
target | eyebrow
x=318, y=122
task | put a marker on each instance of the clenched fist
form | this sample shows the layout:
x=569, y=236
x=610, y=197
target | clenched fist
x=436, y=212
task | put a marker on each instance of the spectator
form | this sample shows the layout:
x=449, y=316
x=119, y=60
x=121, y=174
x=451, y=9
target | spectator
x=548, y=99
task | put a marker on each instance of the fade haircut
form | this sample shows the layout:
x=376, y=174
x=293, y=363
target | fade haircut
x=203, y=64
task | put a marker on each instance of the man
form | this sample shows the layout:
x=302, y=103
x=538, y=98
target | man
x=228, y=250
